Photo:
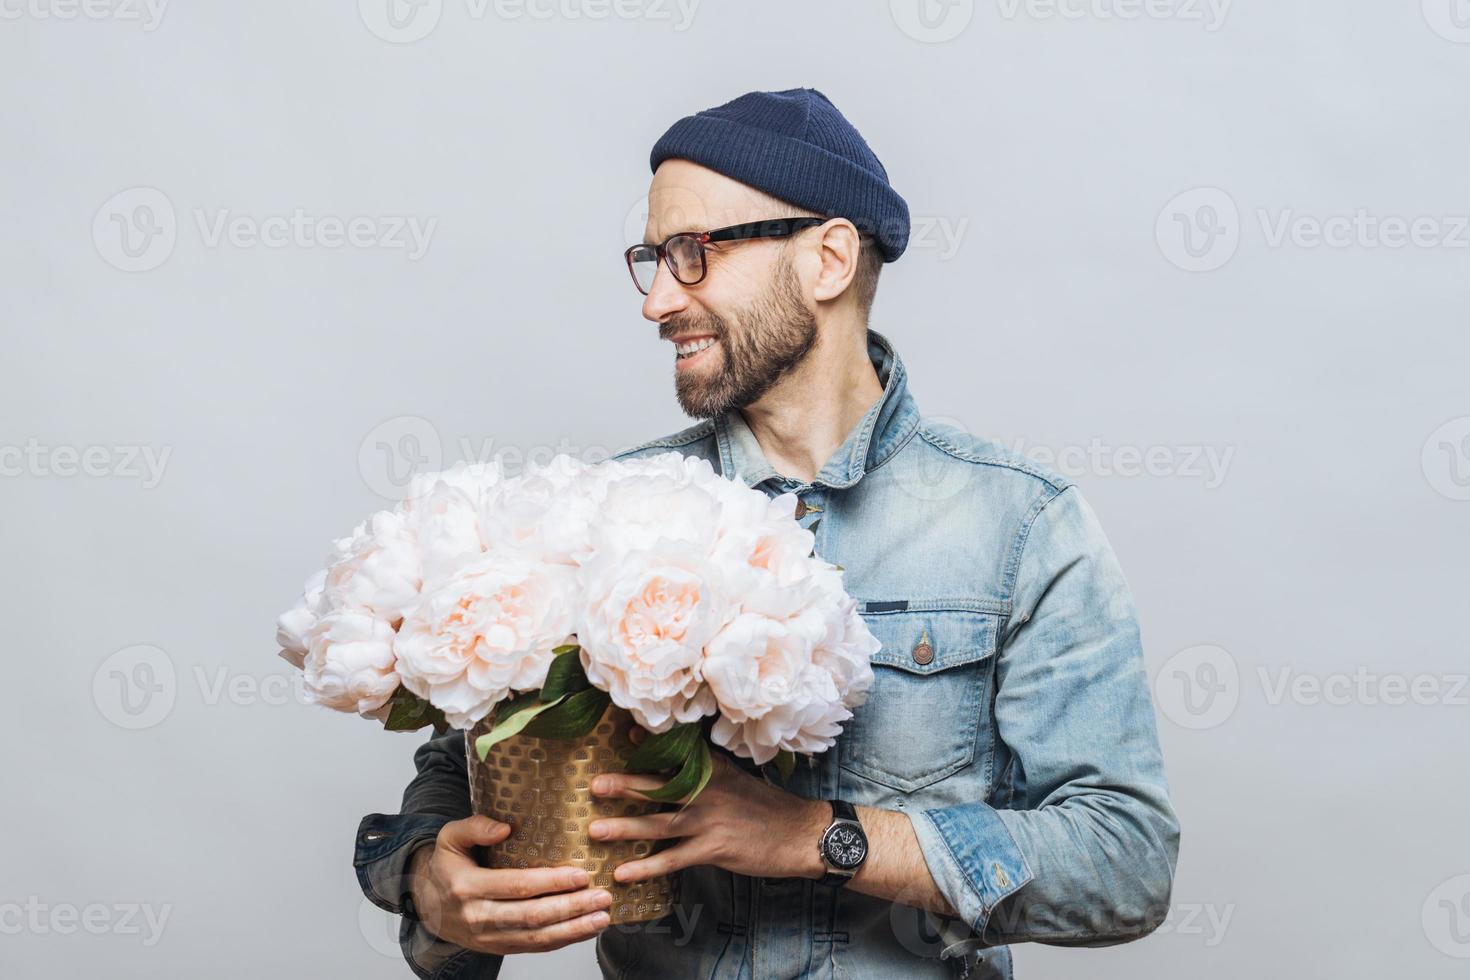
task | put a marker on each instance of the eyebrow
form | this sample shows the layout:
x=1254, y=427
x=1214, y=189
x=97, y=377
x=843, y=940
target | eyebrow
x=682, y=231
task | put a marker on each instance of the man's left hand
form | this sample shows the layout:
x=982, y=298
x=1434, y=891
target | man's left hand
x=739, y=822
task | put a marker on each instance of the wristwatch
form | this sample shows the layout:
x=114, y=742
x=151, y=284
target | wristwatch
x=843, y=846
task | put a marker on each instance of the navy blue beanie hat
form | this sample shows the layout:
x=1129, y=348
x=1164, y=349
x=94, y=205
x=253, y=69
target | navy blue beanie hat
x=796, y=146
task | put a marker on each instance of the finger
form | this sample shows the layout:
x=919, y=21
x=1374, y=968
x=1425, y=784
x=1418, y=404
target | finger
x=512, y=884
x=464, y=885
x=623, y=785
x=553, y=937
x=658, y=826
x=536, y=913
x=664, y=862
x=460, y=836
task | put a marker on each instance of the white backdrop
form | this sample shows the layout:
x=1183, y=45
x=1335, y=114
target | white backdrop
x=1208, y=258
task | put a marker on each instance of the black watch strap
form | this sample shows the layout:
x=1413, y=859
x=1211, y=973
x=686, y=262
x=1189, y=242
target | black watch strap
x=841, y=810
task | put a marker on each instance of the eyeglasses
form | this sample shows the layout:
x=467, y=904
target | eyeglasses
x=684, y=253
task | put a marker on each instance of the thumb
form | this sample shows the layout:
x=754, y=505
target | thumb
x=461, y=835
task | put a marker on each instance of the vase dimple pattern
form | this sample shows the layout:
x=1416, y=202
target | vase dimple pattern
x=542, y=789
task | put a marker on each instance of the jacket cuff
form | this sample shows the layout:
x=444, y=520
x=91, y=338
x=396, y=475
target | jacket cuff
x=972, y=858
x=385, y=845
x=431, y=958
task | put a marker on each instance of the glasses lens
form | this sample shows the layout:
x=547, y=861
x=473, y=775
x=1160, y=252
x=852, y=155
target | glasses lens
x=643, y=262
x=686, y=256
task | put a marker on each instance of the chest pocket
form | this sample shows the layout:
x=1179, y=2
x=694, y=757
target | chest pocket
x=932, y=677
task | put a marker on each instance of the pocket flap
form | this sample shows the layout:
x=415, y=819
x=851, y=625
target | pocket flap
x=956, y=631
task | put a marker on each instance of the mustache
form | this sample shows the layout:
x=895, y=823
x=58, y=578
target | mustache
x=707, y=323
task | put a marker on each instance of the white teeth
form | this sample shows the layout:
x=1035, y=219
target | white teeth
x=693, y=347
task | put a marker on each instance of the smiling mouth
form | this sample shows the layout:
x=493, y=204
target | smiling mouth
x=691, y=348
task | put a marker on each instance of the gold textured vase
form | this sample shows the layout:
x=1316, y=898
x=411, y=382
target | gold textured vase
x=542, y=788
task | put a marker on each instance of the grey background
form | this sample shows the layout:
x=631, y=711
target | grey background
x=1320, y=839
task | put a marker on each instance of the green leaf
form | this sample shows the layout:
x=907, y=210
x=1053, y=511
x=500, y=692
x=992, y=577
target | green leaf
x=574, y=716
x=409, y=713
x=692, y=778
x=666, y=749
x=565, y=676
x=505, y=727
x=520, y=702
x=785, y=763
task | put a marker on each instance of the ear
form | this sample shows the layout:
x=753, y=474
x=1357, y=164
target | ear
x=838, y=249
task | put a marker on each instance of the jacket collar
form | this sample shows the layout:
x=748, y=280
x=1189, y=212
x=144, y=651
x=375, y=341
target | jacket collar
x=880, y=433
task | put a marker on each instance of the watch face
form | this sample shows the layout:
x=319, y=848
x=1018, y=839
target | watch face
x=845, y=846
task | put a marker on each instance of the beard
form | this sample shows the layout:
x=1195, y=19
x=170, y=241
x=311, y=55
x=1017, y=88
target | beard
x=765, y=343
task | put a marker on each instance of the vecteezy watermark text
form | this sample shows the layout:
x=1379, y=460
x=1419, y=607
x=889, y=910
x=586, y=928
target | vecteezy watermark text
x=39, y=918
x=398, y=449
x=1201, y=686
x=36, y=459
x=136, y=230
x=1209, y=13
x=1200, y=230
x=406, y=21
x=148, y=12
x=1208, y=464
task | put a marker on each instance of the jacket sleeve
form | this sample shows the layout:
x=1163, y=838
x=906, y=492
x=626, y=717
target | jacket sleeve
x=386, y=843
x=1082, y=849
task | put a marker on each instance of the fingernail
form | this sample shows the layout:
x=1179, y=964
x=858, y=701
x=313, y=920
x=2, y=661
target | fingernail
x=601, y=919
x=601, y=785
x=579, y=876
x=598, y=830
x=602, y=897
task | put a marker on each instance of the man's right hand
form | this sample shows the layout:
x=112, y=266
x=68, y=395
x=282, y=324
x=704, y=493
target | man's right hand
x=501, y=910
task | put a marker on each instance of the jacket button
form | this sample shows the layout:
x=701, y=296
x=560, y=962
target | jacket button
x=800, y=508
x=923, y=651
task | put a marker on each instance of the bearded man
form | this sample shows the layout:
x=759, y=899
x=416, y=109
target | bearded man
x=1003, y=782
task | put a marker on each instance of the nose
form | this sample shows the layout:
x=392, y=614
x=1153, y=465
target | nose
x=665, y=297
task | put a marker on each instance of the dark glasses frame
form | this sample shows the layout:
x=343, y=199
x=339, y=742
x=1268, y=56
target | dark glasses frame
x=749, y=231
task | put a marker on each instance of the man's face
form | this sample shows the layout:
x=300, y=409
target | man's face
x=748, y=323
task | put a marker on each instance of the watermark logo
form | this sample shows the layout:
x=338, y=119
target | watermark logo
x=1450, y=19
x=1207, y=464
x=1363, y=229
x=135, y=688
x=1198, y=687
x=1446, y=917
x=1446, y=459
x=932, y=21
x=406, y=21
x=147, y=12
x=1199, y=230
x=400, y=21
x=138, y=688
x=399, y=449
x=135, y=230
x=396, y=451
x=301, y=229
x=146, y=464
x=39, y=918
x=1210, y=13
x=933, y=477
x=1362, y=687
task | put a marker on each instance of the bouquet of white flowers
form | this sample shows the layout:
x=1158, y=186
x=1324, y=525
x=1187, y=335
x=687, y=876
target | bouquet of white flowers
x=655, y=585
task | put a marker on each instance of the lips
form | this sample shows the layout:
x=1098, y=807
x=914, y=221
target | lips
x=691, y=346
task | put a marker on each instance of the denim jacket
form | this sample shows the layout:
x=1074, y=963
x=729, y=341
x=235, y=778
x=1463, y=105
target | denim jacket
x=1010, y=719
